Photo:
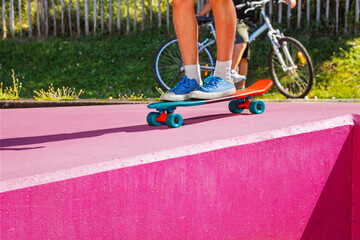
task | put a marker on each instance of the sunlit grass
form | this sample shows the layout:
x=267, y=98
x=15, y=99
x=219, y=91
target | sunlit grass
x=63, y=94
x=11, y=93
x=340, y=76
x=133, y=97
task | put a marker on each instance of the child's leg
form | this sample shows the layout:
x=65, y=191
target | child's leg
x=243, y=69
x=220, y=84
x=225, y=24
x=187, y=33
x=238, y=52
x=241, y=42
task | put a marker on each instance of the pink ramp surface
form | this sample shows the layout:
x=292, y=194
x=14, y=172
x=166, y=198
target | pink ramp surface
x=102, y=173
x=45, y=140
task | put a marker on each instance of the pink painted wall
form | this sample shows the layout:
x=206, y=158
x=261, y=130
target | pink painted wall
x=297, y=187
x=356, y=180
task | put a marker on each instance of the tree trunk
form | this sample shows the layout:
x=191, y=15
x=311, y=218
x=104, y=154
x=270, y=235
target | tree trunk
x=270, y=9
x=357, y=11
x=127, y=17
x=327, y=11
x=42, y=7
x=142, y=16
x=159, y=13
x=119, y=15
x=78, y=18
x=102, y=15
x=308, y=13
x=110, y=15
x=95, y=16
x=38, y=18
x=4, y=19
x=167, y=14
x=337, y=16
x=62, y=18
x=70, y=27
x=29, y=18
x=299, y=14
x=151, y=13
x=318, y=11
x=347, y=6
x=134, y=15
x=12, y=25
x=288, y=15
x=54, y=15
x=280, y=13
x=20, y=20
x=86, y=17
x=46, y=13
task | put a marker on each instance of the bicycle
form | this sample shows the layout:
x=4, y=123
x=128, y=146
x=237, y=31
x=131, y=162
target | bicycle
x=289, y=63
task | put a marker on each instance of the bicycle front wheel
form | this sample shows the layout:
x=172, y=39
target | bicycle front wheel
x=168, y=66
x=294, y=78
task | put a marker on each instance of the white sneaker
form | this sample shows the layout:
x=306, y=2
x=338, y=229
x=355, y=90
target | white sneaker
x=236, y=77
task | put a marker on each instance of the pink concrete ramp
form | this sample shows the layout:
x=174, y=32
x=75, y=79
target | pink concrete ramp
x=101, y=172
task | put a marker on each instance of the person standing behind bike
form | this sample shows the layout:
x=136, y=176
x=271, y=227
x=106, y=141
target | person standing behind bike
x=220, y=84
x=241, y=52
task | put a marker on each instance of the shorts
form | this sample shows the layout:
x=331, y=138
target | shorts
x=242, y=35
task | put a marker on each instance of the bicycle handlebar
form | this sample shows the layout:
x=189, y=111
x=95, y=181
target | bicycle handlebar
x=255, y=4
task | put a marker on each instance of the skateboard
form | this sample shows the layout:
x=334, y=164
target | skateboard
x=239, y=101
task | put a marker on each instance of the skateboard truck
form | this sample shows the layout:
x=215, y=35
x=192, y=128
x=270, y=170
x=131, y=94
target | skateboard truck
x=164, y=114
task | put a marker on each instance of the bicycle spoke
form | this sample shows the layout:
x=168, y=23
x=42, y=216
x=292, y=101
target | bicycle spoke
x=293, y=81
x=169, y=69
x=169, y=58
x=304, y=83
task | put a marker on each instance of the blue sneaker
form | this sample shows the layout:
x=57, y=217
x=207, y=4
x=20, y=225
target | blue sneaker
x=181, y=91
x=214, y=87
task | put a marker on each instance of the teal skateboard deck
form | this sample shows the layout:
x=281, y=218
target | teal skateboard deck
x=238, y=102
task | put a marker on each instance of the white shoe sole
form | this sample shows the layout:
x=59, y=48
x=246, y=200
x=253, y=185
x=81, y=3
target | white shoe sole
x=212, y=95
x=172, y=97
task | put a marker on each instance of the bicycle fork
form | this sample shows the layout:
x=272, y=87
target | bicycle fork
x=273, y=35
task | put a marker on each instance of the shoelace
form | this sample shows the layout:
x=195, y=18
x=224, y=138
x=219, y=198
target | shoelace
x=183, y=83
x=211, y=82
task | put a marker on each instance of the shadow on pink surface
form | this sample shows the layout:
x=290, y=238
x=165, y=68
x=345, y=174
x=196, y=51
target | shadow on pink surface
x=20, y=141
x=332, y=215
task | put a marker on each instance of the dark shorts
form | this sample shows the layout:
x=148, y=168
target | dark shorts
x=242, y=35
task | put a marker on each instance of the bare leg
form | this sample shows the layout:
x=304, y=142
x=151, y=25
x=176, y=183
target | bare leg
x=243, y=69
x=186, y=30
x=238, y=52
x=187, y=33
x=225, y=23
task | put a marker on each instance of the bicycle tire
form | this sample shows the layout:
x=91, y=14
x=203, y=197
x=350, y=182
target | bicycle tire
x=296, y=87
x=174, y=65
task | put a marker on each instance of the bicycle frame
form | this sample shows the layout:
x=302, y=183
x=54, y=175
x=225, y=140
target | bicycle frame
x=272, y=34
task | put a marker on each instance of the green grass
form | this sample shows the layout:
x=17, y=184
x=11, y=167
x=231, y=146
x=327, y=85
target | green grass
x=339, y=77
x=63, y=94
x=102, y=67
x=107, y=66
x=11, y=92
